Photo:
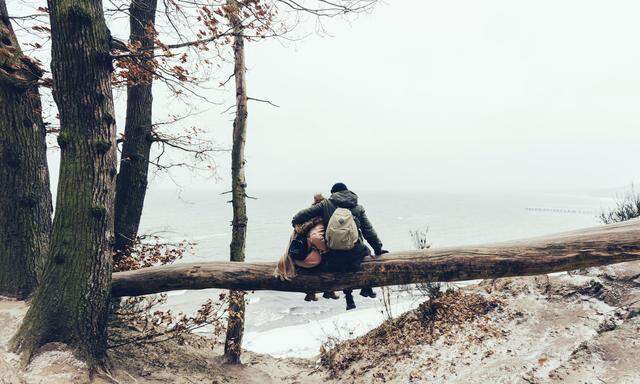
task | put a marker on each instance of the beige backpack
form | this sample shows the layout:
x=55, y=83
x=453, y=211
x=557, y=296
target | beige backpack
x=342, y=231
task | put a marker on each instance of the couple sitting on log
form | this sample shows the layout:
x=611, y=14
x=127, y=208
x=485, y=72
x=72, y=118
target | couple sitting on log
x=329, y=236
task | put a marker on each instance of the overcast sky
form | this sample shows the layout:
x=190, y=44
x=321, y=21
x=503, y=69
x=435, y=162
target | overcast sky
x=447, y=95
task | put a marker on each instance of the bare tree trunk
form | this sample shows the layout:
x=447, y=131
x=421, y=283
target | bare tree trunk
x=71, y=303
x=131, y=185
x=25, y=198
x=235, y=328
x=613, y=243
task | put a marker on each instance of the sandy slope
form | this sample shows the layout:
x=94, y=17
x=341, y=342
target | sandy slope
x=563, y=329
x=583, y=328
x=194, y=361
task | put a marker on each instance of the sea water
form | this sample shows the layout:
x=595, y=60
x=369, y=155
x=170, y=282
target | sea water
x=281, y=323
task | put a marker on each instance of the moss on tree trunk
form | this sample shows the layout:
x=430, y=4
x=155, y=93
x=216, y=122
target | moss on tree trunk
x=235, y=327
x=131, y=185
x=25, y=198
x=71, y=303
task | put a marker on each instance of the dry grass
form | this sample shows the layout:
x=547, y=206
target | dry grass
x=627, y=208
x=434, y=319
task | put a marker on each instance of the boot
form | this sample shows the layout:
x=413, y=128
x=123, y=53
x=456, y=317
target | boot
x=350, y=303
x=311, y=296
x=368, y=292
x=330, y=295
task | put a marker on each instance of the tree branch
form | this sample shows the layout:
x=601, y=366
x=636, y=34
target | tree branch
x=263, y=101
x=614, y=243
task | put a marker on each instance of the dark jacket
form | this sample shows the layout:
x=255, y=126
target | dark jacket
x=342, y=199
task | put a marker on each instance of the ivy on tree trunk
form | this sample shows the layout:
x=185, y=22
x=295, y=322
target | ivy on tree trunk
x=235, y=328
x=71, y=303
x=25, y=198
x=131, y=185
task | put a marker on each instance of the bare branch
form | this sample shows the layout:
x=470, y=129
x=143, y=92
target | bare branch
x=263, y=101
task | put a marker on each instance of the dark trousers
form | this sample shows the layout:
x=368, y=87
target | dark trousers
x=345, y=261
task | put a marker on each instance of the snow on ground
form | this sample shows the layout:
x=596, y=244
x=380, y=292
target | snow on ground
x=304, y=340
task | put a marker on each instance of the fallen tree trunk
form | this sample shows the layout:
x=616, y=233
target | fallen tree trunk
x=614, y=243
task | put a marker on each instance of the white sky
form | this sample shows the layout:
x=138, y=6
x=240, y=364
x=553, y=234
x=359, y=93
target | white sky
x=446, y=95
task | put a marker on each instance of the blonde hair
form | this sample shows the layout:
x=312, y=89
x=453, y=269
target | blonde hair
x=286, y=269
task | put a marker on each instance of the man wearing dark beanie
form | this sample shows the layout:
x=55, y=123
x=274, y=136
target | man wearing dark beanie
x=345, y=260
x=337, y=187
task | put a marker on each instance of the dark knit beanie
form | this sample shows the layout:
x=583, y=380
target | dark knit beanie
x=337, y=187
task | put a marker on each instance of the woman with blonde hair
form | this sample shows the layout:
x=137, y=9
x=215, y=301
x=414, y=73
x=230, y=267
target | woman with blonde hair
x=305, y=249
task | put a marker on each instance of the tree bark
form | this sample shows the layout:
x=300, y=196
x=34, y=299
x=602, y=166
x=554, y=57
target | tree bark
x=131, y=184
x=614, y=243
x=235, y=324
x=25, y=198
x=71, y=303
